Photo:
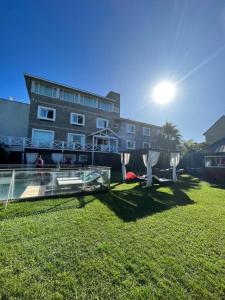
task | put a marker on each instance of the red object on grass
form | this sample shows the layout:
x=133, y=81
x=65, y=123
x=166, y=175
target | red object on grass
x=131, y=176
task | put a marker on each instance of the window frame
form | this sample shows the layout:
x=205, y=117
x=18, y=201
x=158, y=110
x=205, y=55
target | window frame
x=107, y=121
x=45, y=130
x=130, y=131
x=78, y=134
x=43, y=118
x=78, y=124
x=133, y=148
x=143, y=131
x=149, y=145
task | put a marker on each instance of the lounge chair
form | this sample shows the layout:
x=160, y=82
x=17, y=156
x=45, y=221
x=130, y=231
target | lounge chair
x=78, y=180
x=161, y=181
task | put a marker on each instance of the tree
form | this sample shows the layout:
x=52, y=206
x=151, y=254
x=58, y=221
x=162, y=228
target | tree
x=192, y=154
x=171, y=132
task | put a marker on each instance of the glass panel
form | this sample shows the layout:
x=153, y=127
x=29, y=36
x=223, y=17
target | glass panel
x=105, y=106
x=102, y=123
x=88, y=101
x=43, y=136
x=77, y=119
x=43, y=182
x=212, y=161
x=76, y=138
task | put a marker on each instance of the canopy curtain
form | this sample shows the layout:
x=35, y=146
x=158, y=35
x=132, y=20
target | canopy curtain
x=149, y=162
x=31, y=158
x=174, y=161
x=57, y=158
x=125, y=158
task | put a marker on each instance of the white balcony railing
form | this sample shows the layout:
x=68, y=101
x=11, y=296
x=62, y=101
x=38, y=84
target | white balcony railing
x=21, y=143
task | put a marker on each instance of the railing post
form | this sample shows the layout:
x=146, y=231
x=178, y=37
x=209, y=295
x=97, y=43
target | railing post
x=63, y=145
x=24, y=143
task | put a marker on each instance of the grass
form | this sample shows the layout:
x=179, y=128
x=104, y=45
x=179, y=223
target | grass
x=129, y=243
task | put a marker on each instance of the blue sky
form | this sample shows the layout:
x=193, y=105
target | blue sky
x=125, y=46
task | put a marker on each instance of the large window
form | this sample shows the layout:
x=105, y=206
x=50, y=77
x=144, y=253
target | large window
x=106, y=106
x=102, y=123
x=44, y=89
x=215, y=161
x=146, y=131
x=76, y=138
x=77, y=119
x=130, y=128
x=68, y=96
x=46, y=113
x=88, y=101
x=131, y=144
x=44, y=136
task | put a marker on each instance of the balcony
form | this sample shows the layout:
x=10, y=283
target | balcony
x=22, y=143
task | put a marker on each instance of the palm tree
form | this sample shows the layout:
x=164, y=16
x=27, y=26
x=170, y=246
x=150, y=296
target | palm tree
x=171, y=133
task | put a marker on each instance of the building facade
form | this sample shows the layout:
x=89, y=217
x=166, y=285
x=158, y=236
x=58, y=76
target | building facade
x=83, y=126
x=14, y=117
x=216, y=132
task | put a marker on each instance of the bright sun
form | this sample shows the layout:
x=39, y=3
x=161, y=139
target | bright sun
x=164, y=92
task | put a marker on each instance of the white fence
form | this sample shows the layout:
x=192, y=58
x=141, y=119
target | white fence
x=21, y=143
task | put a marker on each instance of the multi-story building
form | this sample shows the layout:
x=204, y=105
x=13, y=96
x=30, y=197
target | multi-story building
x=80, y=124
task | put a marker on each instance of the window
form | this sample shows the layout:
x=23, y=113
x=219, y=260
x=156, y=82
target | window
x=131, y=144
x=88, y=101
x=68, y=96
x=146, y=131
x=116, y=109
x=146, y=145
x=215, y=161
x=158, y=131
x=130, y=128
x=44, y=89
x=106, y=106
x=102, y=123
x=77, y=119
x=40, y=135
x=76, y=138
x=116, y=125
x=83, y=158
x=46, y=113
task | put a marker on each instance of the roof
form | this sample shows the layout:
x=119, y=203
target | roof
x=221, y=118
x=14, y=101
x=218, y=147
x=139, y=122
x=28, y=76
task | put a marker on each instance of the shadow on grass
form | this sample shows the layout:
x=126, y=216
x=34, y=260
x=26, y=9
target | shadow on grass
x=44, y=206
x=128, y=204
x=134, y=204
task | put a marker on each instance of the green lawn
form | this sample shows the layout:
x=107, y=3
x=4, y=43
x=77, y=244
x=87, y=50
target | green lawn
x=129, y=243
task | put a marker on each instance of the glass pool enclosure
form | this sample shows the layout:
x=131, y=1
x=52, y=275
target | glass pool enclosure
x=18, y=184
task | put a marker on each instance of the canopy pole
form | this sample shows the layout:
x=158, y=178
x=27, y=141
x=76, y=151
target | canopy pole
x=92, y=154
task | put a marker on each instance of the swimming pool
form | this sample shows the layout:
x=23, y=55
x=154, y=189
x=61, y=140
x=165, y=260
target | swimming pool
x=49, y=182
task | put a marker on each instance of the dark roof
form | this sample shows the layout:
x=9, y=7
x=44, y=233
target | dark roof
x=214, y=124
x=218, y=147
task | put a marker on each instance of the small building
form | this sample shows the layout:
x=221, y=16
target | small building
x=14, y=118
x=214, y=154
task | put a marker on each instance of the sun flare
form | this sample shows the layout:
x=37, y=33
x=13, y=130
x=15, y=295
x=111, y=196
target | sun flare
x=164, y=92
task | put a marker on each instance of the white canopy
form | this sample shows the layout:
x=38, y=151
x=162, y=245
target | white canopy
x=150, y=161
x=125, y=157
x=174, y=161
